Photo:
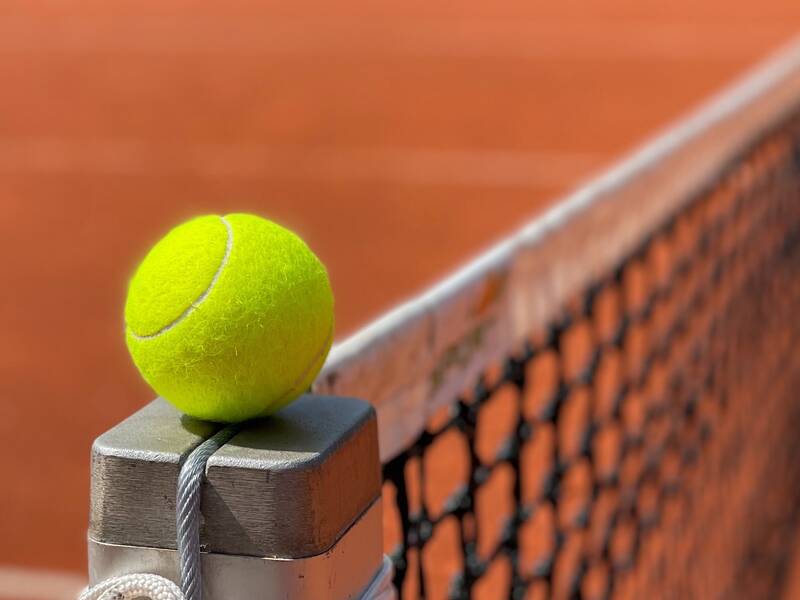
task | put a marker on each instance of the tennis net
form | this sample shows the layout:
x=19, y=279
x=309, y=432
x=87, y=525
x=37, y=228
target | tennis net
x=604, y=405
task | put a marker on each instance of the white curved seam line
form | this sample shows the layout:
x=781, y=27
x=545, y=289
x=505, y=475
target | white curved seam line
x=307, y=370
x=201, y=297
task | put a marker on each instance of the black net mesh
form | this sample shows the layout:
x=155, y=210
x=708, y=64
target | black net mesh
x=641, y=447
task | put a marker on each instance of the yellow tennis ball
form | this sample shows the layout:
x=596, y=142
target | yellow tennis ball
x=229, y=318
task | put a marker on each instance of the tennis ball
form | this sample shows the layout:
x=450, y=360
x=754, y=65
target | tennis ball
x=229, y=318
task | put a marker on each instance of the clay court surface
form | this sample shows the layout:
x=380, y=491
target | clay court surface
x=397, y=138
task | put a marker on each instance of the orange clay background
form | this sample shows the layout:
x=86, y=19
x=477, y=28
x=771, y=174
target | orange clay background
x=398, y=138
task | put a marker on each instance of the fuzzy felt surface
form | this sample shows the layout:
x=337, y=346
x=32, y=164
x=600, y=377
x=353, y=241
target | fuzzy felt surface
x=230, y=317
x=175, y=274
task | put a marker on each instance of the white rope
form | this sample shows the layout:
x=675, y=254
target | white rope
x=155, y=587
x=187, y=504
x=134, y=587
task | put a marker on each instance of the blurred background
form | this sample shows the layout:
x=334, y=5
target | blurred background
x=398, y=138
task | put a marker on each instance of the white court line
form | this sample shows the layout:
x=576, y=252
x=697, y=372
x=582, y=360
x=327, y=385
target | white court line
x=422, y=166
x=20, y=583
x=590, y=39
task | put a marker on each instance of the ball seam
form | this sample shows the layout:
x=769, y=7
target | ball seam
x=201, y=298
x=307, y=369
x=314, y=360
